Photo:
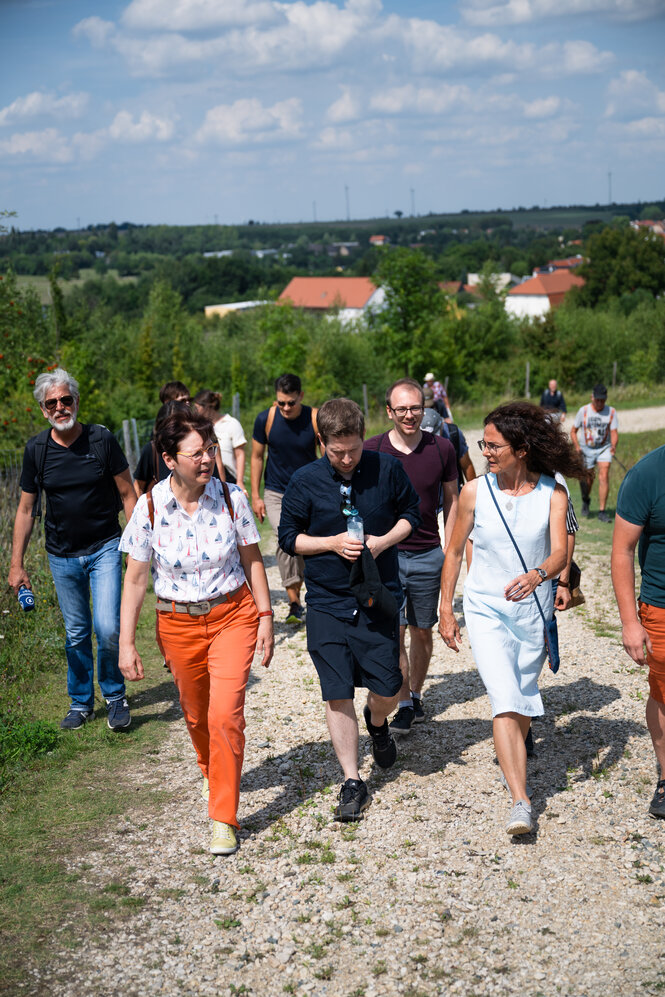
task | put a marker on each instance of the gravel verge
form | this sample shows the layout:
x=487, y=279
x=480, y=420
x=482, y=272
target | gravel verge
x=427, y=895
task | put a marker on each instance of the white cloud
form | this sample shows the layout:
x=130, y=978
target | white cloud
x=543, y=107
x=632, y=94
x=146, y=128
x=48, y=146
x=196, y=15
x=345, y=108
x=248, y=121
x=38, y=102
x=97, y=31
x=332, y=139
x=489, y=13
x=423, y=100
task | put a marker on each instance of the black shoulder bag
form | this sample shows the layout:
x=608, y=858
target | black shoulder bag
x=549, y=627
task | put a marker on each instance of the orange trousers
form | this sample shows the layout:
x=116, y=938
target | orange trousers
x=210, y=657
x=653, y=621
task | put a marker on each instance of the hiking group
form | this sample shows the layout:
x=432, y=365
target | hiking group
x=359, y=527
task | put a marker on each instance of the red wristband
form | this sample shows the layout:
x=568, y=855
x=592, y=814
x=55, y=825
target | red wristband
x=268, y=612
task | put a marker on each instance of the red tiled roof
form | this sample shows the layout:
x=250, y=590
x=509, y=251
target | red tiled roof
x=552, y=285
x=567, y=263
x=328, y=292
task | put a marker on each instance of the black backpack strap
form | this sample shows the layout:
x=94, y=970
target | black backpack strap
x=40, y=444
x=99, y=445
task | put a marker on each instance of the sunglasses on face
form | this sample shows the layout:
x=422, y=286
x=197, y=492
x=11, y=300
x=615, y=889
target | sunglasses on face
x=65, y=400
x=346, y=506
x=288, y=404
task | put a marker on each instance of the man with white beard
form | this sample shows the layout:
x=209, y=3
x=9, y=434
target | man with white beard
x=83, y=474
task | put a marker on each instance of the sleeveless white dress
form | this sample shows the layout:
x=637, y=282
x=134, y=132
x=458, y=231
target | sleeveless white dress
x=507, y=637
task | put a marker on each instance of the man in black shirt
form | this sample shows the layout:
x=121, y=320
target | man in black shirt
x=83, y=474
x=288, y=430
x=352, y=636
x=553, y=400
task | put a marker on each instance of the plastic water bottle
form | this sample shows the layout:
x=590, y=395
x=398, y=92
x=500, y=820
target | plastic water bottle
x=26, y=598
x=355, y=528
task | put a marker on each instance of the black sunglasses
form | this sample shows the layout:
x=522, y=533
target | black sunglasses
x=287, y=404
x=346, y=506
x=66, y=400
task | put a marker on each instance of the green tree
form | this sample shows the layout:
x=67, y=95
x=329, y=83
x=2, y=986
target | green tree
x=413, y=303
x=621, y=261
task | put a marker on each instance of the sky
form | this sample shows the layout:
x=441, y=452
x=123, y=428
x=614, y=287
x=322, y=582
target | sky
x=205, y=111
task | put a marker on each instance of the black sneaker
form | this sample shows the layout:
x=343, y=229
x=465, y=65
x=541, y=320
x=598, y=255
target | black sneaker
x=401, y=722
x=118, y=716
x=296, y=614
x=383, y=745
x=529, y=745
x=353, y=799
x=76, y=719
x=603, y=517
x=657, y=808
x=418, y=712
x=585, y=509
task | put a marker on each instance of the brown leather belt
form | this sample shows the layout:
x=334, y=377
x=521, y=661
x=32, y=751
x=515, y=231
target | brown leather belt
x=198, y=608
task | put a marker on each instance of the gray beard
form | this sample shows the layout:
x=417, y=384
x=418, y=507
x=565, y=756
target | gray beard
x=63, y=426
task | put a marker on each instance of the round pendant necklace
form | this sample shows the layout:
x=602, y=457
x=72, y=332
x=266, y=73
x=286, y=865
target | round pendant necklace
x=510, y=504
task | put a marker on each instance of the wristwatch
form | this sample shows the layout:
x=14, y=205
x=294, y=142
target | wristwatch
x=541, y=572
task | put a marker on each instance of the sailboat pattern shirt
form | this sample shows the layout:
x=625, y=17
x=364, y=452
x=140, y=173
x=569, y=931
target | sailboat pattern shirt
x=193, y=558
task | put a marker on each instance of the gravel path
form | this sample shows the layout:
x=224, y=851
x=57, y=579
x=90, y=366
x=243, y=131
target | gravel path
x=427, y=895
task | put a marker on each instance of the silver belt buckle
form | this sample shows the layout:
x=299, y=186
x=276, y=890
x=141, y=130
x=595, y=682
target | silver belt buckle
x=199, y=609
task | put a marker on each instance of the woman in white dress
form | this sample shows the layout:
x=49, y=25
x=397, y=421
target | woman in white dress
x=523, y=450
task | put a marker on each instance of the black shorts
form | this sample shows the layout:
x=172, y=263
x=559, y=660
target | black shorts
x=353, y=653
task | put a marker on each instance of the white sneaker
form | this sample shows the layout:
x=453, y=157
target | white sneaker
x=520, y=821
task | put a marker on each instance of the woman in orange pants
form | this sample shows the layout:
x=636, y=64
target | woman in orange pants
x=213, y=605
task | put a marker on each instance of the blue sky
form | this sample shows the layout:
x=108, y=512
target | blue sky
x=192, y=111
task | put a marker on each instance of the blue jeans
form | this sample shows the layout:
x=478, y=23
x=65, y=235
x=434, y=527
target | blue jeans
x=75, y=579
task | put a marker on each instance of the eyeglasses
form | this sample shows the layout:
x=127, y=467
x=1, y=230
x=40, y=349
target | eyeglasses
x=347, y=507
x=288, y=404
x=198, y=455
x=65, y=400
x=483, y=445
x=401, y=410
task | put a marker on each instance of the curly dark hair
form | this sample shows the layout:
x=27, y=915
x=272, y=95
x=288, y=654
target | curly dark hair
x=548, y=447
x=176, y=426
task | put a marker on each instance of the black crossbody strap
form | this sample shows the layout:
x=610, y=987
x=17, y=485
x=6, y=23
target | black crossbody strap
x=519, y=552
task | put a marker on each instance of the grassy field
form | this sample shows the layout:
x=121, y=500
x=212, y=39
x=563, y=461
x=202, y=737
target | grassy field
x=41, y=284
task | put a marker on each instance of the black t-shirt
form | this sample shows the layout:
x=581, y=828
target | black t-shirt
x=81, y=513
x=291, y=445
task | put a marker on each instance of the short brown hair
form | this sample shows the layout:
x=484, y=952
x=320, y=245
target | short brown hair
x=340, y=417
x=176, y=426
x=404, y=382
x=172, y=390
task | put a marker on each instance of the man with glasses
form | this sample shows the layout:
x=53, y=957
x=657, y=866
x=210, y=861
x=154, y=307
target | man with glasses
x=288, y=430
x=352, y=633
x=431, y=466
x=83, y=475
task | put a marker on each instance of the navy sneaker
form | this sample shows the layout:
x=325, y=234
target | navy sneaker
x=603, y=516
x=657, y=808
x=384, y=748
x=118, y=715
x=296, y=614
x=401, y=722
x=353, y=799
x=76, y=719
x=418, y=712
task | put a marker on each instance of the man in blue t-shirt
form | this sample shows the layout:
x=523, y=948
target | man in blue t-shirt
x=640, y=518
x=288, y=430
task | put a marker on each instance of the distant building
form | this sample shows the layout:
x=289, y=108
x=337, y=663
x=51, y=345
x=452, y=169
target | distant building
x=232, y=306
x=569, y=263
x=535, y=296
x=352, y=296
x=379, y=240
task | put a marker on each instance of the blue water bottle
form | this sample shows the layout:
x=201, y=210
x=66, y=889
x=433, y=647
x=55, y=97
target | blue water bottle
x=26, y=598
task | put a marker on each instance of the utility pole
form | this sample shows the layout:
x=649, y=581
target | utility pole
x=413, y=202
x=346, y=194
x=314, y=210
x=609, y=187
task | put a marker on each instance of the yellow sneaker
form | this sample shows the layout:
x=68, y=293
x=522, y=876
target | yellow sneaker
x=224, y=840
x=205, y=789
